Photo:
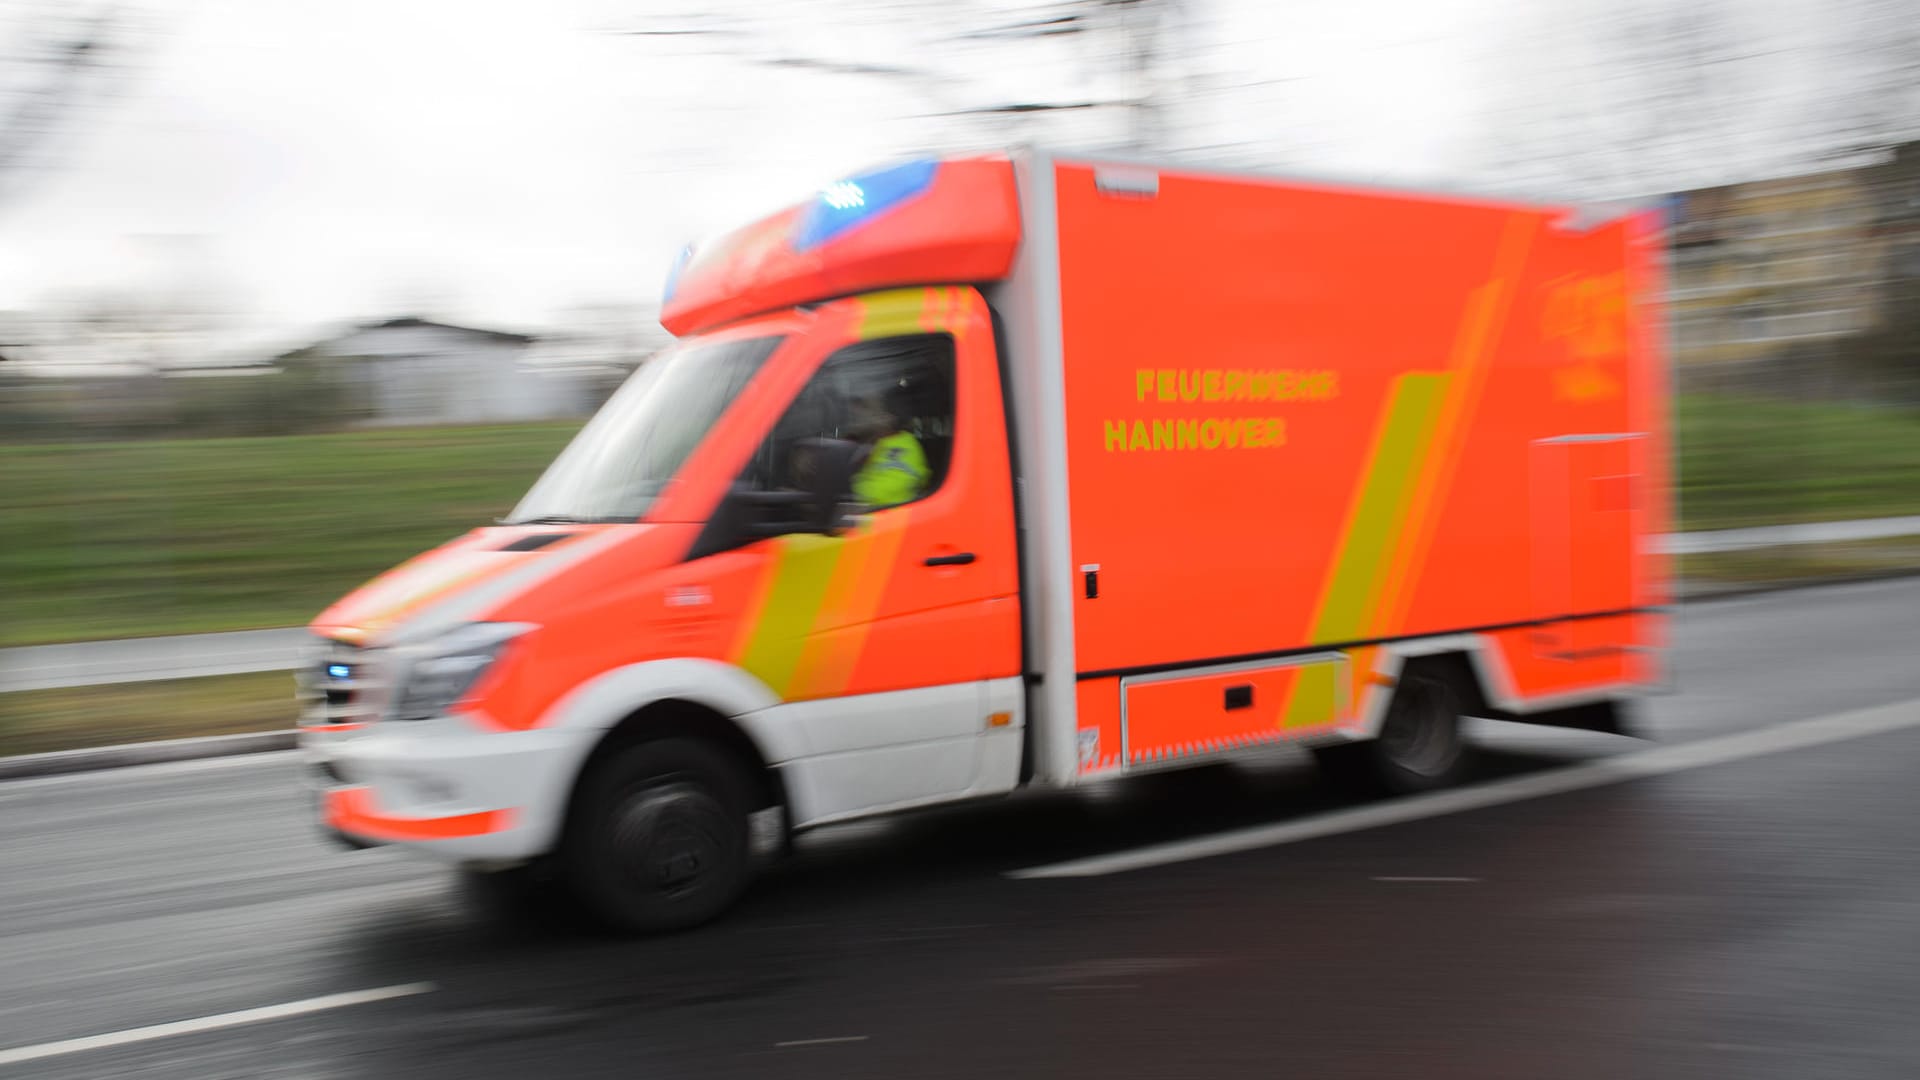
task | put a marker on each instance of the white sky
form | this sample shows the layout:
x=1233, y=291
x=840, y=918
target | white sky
x=497, y=162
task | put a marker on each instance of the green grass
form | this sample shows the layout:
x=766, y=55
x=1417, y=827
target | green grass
x=122, y=539
x=40, y=720
x=1706, y=574
x=1749, y=462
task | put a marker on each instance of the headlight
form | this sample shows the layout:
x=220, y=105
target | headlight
x=447, y=668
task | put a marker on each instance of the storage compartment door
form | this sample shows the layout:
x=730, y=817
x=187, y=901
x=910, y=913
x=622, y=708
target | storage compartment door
x=1584, y=491
x=1185, y=714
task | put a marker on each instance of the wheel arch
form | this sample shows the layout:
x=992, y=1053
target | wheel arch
x=679, y=718
x=1475, y=671
x=1459, y=659
x=689, y=698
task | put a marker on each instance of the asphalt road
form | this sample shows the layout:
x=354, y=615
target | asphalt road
x=1754, y=917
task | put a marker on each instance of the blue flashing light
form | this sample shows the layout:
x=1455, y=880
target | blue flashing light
x=339, y=671
x=847, y=203
x=844, y=195
x=680, y=262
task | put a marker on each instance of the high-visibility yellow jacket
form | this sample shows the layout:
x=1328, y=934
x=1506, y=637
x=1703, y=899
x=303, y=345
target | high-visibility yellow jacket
x=895, y=472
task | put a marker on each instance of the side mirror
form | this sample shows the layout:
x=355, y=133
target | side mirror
x=833, y=462
x=748, y=513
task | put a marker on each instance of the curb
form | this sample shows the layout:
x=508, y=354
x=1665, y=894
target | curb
x=1703, y=593
x=60, y=762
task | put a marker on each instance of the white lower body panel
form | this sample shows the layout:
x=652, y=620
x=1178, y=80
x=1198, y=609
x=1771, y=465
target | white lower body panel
x=882, y=752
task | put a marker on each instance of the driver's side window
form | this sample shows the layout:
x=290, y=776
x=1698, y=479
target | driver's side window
x=893, y=398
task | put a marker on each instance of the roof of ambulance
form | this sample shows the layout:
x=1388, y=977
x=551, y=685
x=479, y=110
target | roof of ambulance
x=922, y=222
x=938, y=221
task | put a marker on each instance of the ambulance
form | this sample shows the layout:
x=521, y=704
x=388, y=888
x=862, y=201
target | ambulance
x=1028, y=470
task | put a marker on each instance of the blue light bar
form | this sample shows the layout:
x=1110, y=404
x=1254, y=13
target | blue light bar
x=847, y=203
x=680, y=262
x=339, y=671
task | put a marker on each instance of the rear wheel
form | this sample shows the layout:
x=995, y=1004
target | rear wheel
x=659, y=838
x=1420, y=746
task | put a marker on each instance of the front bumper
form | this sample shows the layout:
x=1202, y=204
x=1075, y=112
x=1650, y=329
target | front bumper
x=446, y=787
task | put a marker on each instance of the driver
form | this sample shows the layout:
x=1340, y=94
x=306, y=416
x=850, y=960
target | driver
x=894, y=466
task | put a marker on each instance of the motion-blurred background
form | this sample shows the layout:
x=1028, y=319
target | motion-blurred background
x=292, y=290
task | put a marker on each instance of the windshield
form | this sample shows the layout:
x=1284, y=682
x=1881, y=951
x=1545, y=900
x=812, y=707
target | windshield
x=629, y=452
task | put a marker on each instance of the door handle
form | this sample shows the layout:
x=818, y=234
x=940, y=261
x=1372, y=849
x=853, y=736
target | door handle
x=964, y=558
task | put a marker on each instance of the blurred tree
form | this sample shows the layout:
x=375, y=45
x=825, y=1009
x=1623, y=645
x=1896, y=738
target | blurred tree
x=100, y=327
x=1616, y=98
x=1875, y=101
x=990, y=73
x=53, y=57
x=151, y=329
x=1884, y=363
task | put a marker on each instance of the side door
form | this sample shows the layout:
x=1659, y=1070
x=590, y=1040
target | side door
x=1584, y=550
x=882, y=639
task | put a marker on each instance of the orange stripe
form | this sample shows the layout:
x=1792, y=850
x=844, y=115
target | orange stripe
x=452, y=585
x=812, y=678
x=1360, y=665
x=494, y=566
x=750, y=617
x=884, y=560
x=929, y=309
x=1479, y=338
x=860, y=580
x=352, y=811
x=966, y=310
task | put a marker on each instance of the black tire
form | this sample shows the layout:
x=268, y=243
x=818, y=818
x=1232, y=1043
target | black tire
x=1420, y=748
x=658, y=838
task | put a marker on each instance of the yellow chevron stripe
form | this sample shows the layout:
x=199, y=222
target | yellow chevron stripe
x=859, y=582
x=890, y=313
x=1373, y=524
x=793, y=599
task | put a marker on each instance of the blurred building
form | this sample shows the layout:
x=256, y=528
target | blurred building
x=414, y=371
x=599, y=345
x=1788, y=275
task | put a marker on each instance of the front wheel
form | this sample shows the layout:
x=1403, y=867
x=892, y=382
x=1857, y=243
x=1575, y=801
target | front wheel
x=1420, y=747
x=658, y=839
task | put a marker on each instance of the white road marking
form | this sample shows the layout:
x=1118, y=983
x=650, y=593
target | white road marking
x=210, y=1023
x=1427, y=880
x=822, y=1042
x=1667, y=759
